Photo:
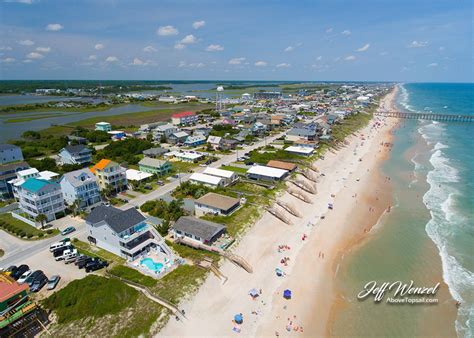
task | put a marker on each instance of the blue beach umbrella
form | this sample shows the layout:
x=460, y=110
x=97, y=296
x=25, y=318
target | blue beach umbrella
x=238, y=318
x=287, y=294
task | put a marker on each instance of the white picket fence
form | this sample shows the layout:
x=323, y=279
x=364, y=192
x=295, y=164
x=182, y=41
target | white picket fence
x=24, y=219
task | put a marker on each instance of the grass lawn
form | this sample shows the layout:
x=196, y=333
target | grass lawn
x=238, y=170
x=105, y=306
x=23, y=230
x=182, y=281
x=133, y=275
x=89, y=250
x=2, y=253
x=191, y=253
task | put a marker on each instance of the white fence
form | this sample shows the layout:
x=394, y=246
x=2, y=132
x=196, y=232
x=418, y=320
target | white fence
x=24, y=219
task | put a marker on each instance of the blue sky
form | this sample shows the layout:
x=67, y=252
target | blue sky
x=248, y=40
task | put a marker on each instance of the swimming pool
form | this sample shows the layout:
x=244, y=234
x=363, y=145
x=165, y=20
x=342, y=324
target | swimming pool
x=151, y=264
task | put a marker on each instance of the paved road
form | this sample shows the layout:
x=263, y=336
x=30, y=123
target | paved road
x=224, y=160
x=16, y=254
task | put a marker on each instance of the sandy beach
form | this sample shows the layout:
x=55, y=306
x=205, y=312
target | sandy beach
x=352, y=183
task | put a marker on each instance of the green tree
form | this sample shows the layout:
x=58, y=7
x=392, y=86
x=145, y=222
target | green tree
x=41, y=218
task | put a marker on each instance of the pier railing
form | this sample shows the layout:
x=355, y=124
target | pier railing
x=427, y=116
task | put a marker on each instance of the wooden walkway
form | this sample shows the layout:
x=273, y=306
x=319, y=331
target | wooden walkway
x=427, y=116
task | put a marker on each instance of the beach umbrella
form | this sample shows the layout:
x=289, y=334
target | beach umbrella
x=238, y=318
x=278, y=272
x=287, y=294
x=254, y=293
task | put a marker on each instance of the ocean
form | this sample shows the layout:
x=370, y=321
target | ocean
x=428, y=236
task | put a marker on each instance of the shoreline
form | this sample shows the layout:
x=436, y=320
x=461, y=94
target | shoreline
x=211, y=316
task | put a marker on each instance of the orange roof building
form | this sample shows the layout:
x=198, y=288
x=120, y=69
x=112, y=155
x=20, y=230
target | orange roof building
x=281, y=165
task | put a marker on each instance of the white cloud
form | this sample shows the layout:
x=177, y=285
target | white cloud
x=346, y=32
x=418, y=44
x=441, y=48
x=111, y=59
x=34, y=55
x=184, y=64
x=43, y=49
x=99, y=46
x=167, y=31
x=8, y=60
x=149, y=49
x=6, y=48
x=283, y=65
x=138, y=62
x=54, y=27
x=350, y=58
x=434, y=64
x=214, y=48
x=179, y=46
x=260, y=64
x=27, y=61
x=329, y=30
x=26, y=42
x=92, y=57
x=383, y=53
x=188, y=39
x=199, y=24
x=236, y=61
x=364, y=47
x=289, y=49
x=319, y=58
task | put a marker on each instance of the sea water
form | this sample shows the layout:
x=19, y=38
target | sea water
x=428, y=236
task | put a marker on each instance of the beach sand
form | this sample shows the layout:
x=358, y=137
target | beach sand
x=359, y=195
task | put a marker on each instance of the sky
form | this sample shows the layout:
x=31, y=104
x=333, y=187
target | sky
x=331, y=40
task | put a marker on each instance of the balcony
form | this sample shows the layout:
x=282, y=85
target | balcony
x=137, y=241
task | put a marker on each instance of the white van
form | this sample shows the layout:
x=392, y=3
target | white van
x=59, y=245
x=66, y=254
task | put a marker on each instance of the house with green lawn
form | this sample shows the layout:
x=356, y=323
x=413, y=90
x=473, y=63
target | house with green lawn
x=154, y=166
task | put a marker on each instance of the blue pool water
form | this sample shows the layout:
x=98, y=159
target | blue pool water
x=151, y=264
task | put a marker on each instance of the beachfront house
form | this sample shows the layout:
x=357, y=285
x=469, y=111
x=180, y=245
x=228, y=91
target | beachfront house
x=110, y=175
x=214, y=142
x=298, y=150
x=125, y=233
x=282, y=165
x=103, y=126
x=8, y=172
x=207, y=180
x=228, y=176
x=185, y=156
x=38, y=196
x=10, y=153
x=215, y=204
x=197, y=230
x=178, y=137
x=81, y=186
x=77, y=154
x=154, y=166
x=260, y=172
x=295, y=134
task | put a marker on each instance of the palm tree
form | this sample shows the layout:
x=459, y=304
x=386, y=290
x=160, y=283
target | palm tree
x=76, y=206
x=41, y=218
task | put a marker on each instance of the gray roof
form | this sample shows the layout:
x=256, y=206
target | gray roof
x=6, y=146
x=75, y=149
x=151, y=162
x=301, y=132
x=198, y=227
x=155, y=151
x=117, y=219
x=74, y=177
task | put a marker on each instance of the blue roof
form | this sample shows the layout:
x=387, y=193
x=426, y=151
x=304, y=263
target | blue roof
x=35, y=184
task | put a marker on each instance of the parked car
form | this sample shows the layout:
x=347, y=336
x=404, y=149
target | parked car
x=53, y=282
x=68, y=230
x=160, y=183
x=84, y=262
x=59, y=252
x=60, y=244
x=95, y=265
x=24, y=276
x=19, y=271
x=39, y=282
x=31, y=278
x=70, y=258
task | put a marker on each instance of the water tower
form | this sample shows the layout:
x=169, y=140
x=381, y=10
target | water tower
x=220, y=99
